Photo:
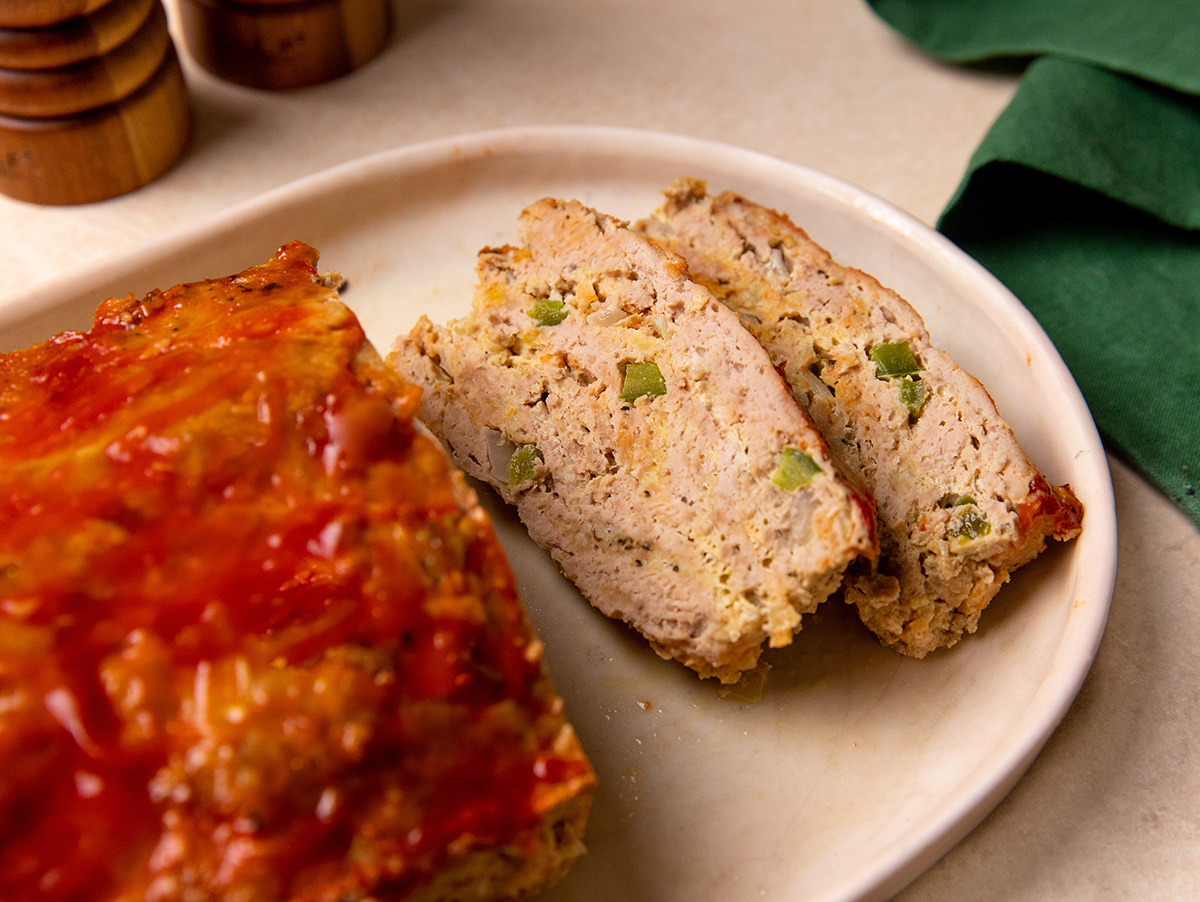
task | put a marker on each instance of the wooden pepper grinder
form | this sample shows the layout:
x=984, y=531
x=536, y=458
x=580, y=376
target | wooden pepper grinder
x=283, y=43
x=92, y=99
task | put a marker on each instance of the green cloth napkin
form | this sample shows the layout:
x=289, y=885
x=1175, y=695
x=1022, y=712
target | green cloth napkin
x=1157, y=40
x=1084, y=199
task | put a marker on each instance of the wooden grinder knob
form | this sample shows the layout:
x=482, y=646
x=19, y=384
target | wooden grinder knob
x=91, y=106
x=283, y=43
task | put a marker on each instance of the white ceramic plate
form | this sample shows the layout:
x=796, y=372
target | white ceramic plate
x=858, y=768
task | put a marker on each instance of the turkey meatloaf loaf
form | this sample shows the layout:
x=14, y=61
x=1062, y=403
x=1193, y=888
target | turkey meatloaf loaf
x=645, y=438
x=257, y=639
x=960, y=505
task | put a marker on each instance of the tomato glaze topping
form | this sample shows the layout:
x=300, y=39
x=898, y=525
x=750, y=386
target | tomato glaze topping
x=254, y=635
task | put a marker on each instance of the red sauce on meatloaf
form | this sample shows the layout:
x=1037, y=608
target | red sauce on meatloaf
x=252, y=637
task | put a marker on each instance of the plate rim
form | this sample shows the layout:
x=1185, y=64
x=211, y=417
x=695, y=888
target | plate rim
x=887, y=874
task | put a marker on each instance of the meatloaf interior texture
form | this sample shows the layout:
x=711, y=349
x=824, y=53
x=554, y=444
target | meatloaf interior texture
x=644, y=436
x=960, y=505
x=257, y=639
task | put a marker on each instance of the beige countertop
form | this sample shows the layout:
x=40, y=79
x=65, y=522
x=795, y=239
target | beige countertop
x=1111, y=807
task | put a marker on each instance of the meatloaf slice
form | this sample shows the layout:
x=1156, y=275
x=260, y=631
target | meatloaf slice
x=960, y=505
x=258, y=641
x=644, y=437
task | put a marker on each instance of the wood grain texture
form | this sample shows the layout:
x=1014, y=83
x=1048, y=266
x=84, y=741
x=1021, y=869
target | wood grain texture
x=105, y=153
x=277, y=45
x=89, y=83
x=80, y=38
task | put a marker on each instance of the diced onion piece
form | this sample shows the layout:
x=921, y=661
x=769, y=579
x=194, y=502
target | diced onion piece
x=662, y=325
x=606, y=316
x=500, y=451
x=812, y=385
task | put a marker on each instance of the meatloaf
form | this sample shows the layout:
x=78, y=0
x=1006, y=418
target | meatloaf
x=960, y=504
x=644, y=437
x=257, y=639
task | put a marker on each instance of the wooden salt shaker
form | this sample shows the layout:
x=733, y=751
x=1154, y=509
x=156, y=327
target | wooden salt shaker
x=283, y=43
x=92, y=99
